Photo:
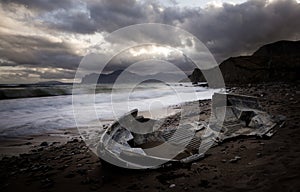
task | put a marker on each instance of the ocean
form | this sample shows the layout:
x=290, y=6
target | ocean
x=54, y=114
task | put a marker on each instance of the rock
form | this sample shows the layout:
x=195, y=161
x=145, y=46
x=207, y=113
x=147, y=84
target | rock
x=73, y=141
x=55, y=143
x=40, y=149
x=44, y=144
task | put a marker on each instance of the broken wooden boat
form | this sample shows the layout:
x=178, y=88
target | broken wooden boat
x=137, y=142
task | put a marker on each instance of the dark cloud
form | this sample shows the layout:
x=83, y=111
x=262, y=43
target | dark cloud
x=76, y=22
x=33, y=50
x=236, y=29
x=105, y=15
x=43, y=5
x=227, y=31
x=113, y=14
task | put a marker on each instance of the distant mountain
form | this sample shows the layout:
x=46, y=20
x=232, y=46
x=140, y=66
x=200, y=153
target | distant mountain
x=107, y=78
x=129, y=77
x=50, y=83
x=38, y=84
x=279, y=61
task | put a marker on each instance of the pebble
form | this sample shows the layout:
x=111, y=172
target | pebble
x=235, y=159
x=258, y=155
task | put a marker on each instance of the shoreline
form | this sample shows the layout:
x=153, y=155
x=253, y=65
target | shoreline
x=17, y=145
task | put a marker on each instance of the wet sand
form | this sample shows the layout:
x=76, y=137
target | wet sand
x=13, y=146
x=264, y=165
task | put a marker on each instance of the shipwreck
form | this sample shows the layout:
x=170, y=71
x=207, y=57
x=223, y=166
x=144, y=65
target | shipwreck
x=137, y=142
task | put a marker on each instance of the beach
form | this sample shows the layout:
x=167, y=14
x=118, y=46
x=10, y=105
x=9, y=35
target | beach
x=149, y=96
x=263, y=164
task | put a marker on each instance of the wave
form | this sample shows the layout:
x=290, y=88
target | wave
x=39, y=115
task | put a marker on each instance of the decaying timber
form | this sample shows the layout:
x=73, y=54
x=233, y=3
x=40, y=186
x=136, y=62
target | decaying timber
x=137, y=142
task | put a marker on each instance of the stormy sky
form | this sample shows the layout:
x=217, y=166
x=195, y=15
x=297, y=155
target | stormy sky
x=43, y=40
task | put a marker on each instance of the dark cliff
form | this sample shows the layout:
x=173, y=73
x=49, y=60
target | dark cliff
x=279, y=61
